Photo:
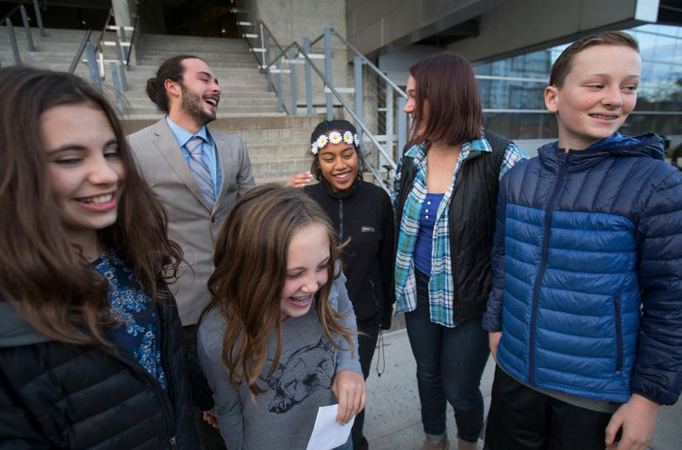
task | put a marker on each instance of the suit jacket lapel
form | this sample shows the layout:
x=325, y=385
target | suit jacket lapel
x=168, y=146
x=226, y=164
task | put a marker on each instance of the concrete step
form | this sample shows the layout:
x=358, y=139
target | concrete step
x=225, y=102
x=270, y=123
x=233, y=110
x=293, y=148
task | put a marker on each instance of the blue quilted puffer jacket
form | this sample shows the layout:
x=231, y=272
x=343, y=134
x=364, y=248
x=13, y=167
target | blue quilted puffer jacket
x=587, y=265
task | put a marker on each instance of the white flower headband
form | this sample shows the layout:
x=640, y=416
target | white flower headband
x=334, y=137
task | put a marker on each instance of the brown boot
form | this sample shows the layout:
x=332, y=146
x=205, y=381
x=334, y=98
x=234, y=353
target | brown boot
x=442, y=445
x=464, y=445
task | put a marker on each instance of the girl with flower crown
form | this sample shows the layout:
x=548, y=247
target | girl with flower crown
x=362, y=215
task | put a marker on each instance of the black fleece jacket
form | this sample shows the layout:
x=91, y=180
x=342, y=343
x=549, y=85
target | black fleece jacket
x=364, y=214
x=62, y=396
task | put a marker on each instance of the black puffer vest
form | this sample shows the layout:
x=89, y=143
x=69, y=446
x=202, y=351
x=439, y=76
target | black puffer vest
x=471, y=220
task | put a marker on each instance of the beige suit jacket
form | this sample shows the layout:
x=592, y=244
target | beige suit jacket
x=192, y=223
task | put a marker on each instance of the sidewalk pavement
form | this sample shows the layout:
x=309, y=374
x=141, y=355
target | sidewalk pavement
x=393, y=421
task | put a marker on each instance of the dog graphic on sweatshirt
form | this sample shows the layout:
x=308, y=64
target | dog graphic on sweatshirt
x=306, y=371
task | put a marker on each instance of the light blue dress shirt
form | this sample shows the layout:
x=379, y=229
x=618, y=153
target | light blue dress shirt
x=208, y=151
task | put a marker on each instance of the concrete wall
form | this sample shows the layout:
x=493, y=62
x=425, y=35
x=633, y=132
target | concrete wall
x=523, y=26
x=293, y=20
x=378, y=26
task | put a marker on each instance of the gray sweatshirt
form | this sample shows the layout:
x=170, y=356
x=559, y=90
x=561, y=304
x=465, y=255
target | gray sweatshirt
x=283, y=417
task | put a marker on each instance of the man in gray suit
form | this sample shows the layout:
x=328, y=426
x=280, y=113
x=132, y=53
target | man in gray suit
x=197, y=173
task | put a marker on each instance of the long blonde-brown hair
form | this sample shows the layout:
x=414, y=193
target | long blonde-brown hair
x=53, y=288
x=250, y=270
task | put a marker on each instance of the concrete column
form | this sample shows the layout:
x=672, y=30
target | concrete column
x=123, y=12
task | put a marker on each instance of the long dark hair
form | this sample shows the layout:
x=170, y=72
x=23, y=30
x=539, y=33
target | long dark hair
x=40, y=273
x=447, y=83
x=250, y=271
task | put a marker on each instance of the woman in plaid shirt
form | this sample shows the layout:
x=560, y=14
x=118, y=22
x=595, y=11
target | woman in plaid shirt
x=445, y=196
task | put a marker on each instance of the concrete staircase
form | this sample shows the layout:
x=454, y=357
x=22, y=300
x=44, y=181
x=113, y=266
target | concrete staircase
x=277, y=143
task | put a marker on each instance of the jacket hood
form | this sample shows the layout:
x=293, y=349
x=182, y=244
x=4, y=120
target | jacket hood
x=645, y=146
x=15, y=330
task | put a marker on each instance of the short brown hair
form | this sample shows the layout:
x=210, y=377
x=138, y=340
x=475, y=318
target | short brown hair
x=446, y=80
x=564, y=63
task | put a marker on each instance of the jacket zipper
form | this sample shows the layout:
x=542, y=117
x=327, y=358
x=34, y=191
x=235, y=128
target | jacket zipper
x=543, y=264
x=340, y=220
x=619, y=335
x=165, y=400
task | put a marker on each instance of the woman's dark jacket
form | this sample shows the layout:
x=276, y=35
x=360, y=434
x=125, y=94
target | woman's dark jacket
x=471, y=223
x=63, y=396
x=364, y=214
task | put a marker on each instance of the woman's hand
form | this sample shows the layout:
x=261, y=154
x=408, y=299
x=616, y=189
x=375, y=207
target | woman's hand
x=210, y=418
x=350, y=389
x=299, y=180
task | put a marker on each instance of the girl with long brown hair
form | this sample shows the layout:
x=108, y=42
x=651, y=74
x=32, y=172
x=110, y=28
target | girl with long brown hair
x=91, y=349
x=273, y=342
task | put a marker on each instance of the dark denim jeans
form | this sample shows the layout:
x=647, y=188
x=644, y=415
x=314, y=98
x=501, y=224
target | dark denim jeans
x=367, y=342
x=450, y=362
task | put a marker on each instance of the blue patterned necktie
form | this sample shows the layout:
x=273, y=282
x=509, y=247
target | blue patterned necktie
x=199, y=169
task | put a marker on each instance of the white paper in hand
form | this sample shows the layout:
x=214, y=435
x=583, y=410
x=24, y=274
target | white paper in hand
x=327, y=433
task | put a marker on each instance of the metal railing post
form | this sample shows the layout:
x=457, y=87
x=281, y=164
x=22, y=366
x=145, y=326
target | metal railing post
x=280, y=100
x=266, y=59
x=402, y=126
x=328, y=70
x=39, y=18
x=117, y=88
x=92, y=66
x=308, y=80
x=13, y=42
x=292, y=75
x=27, y=29
x=357, y=72
x=124, y=80
x=390, y=124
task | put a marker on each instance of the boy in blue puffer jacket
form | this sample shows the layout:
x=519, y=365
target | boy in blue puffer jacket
x=585, y=315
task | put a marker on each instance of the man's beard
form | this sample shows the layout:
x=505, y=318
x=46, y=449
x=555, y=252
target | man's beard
x=192, y=104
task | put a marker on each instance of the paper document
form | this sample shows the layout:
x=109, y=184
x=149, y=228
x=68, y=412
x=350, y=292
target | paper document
x=327, y=433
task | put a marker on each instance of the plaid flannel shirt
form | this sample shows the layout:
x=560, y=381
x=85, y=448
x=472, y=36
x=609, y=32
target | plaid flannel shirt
x=441, y=288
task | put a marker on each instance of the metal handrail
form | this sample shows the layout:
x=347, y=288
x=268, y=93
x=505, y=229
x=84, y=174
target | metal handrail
x=11, y=12
x=283, y=54
x=248, y=42
x=340, y=98
x=271, y=35
x=347, y=106
x=79, y=52
x=132, y=39
x=99, y=45
x=369, y=64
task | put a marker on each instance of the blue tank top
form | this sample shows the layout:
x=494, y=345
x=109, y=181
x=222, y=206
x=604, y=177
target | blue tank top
x=424, y=244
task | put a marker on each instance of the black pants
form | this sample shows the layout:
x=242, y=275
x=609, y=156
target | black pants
x=367, y=342
x=209, y=437
x=524, y=419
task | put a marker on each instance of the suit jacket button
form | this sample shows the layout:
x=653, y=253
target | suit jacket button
x=212, y=219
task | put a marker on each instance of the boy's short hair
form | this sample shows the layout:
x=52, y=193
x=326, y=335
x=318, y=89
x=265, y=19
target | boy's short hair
x=562, y=66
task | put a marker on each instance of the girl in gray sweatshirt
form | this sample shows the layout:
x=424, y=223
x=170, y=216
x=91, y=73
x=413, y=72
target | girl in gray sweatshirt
x=278, y=339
